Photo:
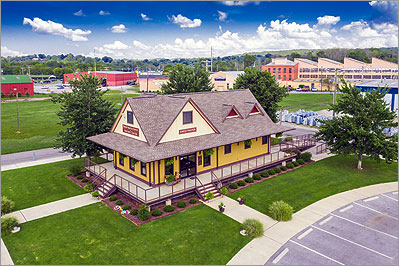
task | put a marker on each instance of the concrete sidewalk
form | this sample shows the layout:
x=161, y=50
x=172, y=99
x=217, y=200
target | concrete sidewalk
x=33, y=163
x=5, y=255
x=259, y=250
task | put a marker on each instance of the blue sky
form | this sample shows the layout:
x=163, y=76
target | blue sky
x=188, y=29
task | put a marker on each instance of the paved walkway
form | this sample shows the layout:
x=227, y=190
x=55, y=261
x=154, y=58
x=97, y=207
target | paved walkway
x=5, y=255
x=259, y=250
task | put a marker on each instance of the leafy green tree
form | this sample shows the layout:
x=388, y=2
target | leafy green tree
x=358, y=128
x=264, y=87
x=83, y=113
x=183, y=79
x=249, y=60
x=295, y=55
x=359, y=54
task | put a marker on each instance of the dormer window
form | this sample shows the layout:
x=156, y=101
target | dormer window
x=254, y=110
x=232, y=113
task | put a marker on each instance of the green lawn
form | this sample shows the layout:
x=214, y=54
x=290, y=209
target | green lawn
x=321, y=179
x=38, y=124
x=95, y=234
x=35, y=185
x=308, y=101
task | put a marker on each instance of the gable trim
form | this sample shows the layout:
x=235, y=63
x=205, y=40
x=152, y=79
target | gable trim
x=233, y=107
x=257, y=107
x=119, y=116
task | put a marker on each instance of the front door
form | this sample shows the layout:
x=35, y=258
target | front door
x=188, y=165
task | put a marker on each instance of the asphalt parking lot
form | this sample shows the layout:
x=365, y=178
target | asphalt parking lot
x=364, y=232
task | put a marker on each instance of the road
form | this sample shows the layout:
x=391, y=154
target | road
x=31, y=156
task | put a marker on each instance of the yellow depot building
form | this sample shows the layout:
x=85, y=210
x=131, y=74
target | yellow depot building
x=164, y=146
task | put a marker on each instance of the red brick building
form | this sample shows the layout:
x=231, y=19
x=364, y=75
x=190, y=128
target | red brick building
x=12, y=84
x=111, y=78
x=282, y=69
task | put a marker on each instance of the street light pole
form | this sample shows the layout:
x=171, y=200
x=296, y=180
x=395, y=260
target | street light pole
x=18, y=131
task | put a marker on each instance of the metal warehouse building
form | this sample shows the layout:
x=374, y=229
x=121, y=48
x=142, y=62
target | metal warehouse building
x=12, y=84
x=391, y=98
x=111, y=78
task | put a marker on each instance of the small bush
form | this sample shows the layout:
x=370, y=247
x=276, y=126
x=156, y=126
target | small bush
x=249, y=180
x=134, y=212
x=271, y=172
x=253, y=227
x=306, y=156
x=7, y=224
x=283, y=168
x=113, y=198
x=27, y=94
x=119, y=202
x=224, y=190
x=88, y=187
x=281, y=211
x=144, y=213
x=181, y=204
x=257, y=177
x=301, y=161
x=295, y=163
x=7, y=205
x=241, y=183
x=95, y=194
x=79, y=177
x=290, y=165
x=209, y=196
x=233, y=186
x=75, y=169
x=169, y=208
x=193, y=201
x=84, y=180
x=277, y=170
x=264, y=174
x=19, y=94
x=156, y=213
x=126, y=207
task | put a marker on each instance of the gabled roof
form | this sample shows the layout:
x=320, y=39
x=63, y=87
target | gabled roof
x=13, y=79
x=306, y=61
x=331, y=61
x=155, y=113
x=287, y=63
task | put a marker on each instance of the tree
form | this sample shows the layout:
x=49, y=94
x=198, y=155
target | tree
x=359, y=128
x=183, y=79
x=264, y=87
x=295, y=55
x=83, y=113
x=249, y=60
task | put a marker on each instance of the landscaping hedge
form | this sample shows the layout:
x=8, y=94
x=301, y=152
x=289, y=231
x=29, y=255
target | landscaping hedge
x=241, y=183
x=277, y=170
x=290, y=165
x=119, y=202
x=79, y=177
x=281, y=211
x=306, y=156
x=295, y=163
x=301, y=161
x=134, y=212
x=233, y=186
x=169, y=208
x=126, y=207
x=253, y=227
x=113, y=198
x=193, y=201
x=144, y=213
x=181, y=204
x=84, y=180
x=271, y=172
x=283, y=168
x=264, y=174
x=257, y=177
x=7, y=205
x=156, y=213
x=249, y=180
x=7, y=224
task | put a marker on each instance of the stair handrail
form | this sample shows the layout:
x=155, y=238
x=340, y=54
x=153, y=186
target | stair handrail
x=215, y=180
x=202, y=186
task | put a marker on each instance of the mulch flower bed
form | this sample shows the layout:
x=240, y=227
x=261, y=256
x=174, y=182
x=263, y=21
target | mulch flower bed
x=135, y=205
x=232, y=190
x=79, y=181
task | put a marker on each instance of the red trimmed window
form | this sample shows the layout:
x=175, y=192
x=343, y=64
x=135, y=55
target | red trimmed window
x=232, y=113
x=255, y=110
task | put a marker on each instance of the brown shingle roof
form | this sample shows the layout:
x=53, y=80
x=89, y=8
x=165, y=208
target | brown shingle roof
x=156, y=113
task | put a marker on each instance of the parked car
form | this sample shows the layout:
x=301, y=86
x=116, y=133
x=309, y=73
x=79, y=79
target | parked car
x=298, y=89
x=314, y=89
x=131, y=82
x=60, y=87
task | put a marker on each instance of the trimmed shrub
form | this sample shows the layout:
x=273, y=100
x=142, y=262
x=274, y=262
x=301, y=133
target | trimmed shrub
x=295, y=163
x=95, y=194
x=257, y=177
x=233, y=186
x=119, y=202
x=156, y=213
x=249, y=180
x=134, y=212
x=281, y=211
x=169, y=208
x=144, y=213
x=126, y=207
x=113, y=198
x=7, y=205
x=283, y=168
x=88, y=187
x=84, y=180
x=75, y=169
x=7, y=224
x=79, y=177
x=264, y=174
x=181, y=204
x=224, y=190
x=27, y=94
x=193, y=201
x=277, y=170
x=19, y=94
x=290, y=165
x=241, y=183
x=253, y=227
x=301, y=161
x=306, y=156
x=2, y=95
x=271, y=172
x=209, y=196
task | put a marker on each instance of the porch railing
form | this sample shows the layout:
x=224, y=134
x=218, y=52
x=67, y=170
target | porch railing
x=322, y=148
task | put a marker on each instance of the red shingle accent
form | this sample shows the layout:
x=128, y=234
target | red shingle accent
x=232, y=113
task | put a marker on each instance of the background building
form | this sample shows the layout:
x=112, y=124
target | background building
x=12, y=84
x=283, y=70
x=154, y=82
x=111, y=78
x=224, y=80
x=391, y=98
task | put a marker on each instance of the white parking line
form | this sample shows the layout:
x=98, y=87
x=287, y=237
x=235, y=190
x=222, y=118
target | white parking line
x=305, y=233
x=395, y=193
x=354, y=243
x=370, y=199
x=346, y=208
x=389, y=197
x=318, y=253
x=364, y=226
x=280, y=256
x=375, y=210
x=325, y=220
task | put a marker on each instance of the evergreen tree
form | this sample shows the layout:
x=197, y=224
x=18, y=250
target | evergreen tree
x=83, y=113
x=358, y=128
x=265, y=89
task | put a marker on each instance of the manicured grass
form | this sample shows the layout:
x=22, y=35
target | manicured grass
x=307, y=101
x=96, y=235
x=35, y=185
x=321, y=179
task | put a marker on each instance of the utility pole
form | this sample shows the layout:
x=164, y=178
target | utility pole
x=29, y=70
x=211, y=60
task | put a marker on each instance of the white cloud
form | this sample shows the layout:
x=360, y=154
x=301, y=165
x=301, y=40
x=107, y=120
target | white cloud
x=116, y=50
x=104, y=13
x=79, y=13
x=53, y=28
x=119, y=29
x=117, y=45
x=222, y=16
x=185, y=22
x=389, y=9
x=328, y=20
x=8, y=52
x=145, y=17
x=239, y=3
